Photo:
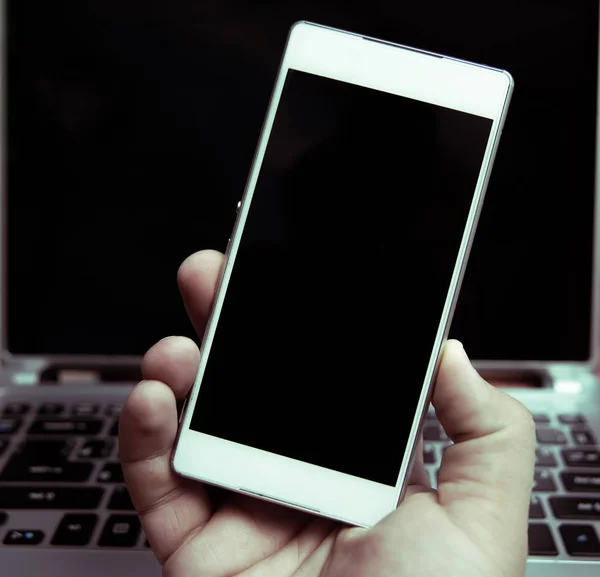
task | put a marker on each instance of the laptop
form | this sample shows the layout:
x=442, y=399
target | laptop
x=127, y=134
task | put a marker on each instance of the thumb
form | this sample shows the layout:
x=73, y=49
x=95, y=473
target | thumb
x=490, y=466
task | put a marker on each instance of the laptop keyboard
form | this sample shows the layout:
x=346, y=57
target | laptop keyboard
x=564, y=512
x=60, y=460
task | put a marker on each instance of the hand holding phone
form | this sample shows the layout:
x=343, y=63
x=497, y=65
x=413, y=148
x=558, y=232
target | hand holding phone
x=476, y=522
x=474, y=526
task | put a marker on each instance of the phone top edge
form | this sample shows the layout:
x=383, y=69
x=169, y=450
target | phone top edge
x=399, y=45
x=397, y=69
x=402, y=46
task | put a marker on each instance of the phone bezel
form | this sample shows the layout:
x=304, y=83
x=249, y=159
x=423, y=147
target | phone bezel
x=428, y=77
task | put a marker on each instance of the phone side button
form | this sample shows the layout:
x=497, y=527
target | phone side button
x=183, y=406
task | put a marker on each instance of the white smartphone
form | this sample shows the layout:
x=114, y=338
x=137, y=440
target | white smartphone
x=342, y=273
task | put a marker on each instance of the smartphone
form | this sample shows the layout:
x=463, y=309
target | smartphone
x=341, y=275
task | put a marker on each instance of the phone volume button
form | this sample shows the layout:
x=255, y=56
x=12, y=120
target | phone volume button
x=183, y=406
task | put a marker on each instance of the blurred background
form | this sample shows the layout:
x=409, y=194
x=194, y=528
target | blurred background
x=132, y=126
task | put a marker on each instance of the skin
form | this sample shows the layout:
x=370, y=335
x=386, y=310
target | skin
x=475, y=524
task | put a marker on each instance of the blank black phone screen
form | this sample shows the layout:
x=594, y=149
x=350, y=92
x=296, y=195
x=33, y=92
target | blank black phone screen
x=343, y=268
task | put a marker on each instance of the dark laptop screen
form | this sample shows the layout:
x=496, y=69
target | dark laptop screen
x=132, y=126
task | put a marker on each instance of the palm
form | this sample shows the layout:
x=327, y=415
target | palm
x=474, y=524
x=249, y=538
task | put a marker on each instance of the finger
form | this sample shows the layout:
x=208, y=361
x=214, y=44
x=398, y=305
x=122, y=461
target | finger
x=491, y=463
x=242, y=532
x=169, y=507
x=314, y=540
x=173, y=360
x=468, y=406
x=197, y=279
x=317, y=562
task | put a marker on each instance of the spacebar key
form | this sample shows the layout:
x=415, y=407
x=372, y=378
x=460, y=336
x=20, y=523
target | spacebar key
x=50, y=497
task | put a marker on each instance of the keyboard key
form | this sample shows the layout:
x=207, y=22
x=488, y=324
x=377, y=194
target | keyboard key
x=22, y=470
x=9, y=426
x=576, y=508
x=75, y=530
x=23, y=537
x=541, y=419
x=541, y=541
x=581, y=458
x=543, y=481
x=111, y=473
x=572, y=419
x=580, y=540
x=3, y=518
x=581, y=482
x=114, y=430
x=120, y=500
x=546, y=436
x=3, y=446
x=96, y=449
x=113, y=410
x=84, y=410
x=15, y=409
x=120, y=531
x=428, y=453
x=50, y=497
x=51, y=409
x=65, y=427
x=434, y=433
x=37, y=451
x=536, y=511
x=582, y=437
x=544, y=457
